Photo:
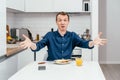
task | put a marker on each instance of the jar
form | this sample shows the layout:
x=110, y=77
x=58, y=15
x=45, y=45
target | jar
x=37, y=37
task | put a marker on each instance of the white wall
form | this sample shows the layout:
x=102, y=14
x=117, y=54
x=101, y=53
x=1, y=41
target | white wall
x=41, y=23
x=113, y=29
x=2, y=27
x=111, y=15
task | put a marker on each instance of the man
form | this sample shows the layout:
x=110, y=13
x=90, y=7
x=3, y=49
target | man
x=61, y=43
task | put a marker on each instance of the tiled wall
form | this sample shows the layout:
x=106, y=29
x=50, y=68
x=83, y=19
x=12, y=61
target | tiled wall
x=41, y=23
x=11, y=19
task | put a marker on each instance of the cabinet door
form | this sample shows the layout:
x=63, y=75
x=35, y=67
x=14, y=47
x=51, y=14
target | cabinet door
x=15, y=4
x=68, y=5
x=25, y=57
x=8, y=67
x=87, y=54
x=38, y=5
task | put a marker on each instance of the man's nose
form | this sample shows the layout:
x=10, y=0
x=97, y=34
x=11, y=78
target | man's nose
x=62, y=22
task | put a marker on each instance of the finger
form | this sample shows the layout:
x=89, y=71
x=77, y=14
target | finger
x=25, y=47
x=22, y=46
x=25, y=36
x=21, y=43
x=100, y=34
x=104, y=40
x=101, y=44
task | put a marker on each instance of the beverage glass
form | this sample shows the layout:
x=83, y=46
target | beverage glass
x=78, y=61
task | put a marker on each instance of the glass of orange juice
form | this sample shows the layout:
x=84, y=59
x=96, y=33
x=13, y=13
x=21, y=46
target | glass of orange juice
x=78, y=61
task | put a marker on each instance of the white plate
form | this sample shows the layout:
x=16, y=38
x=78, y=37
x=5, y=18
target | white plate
x=62, y=61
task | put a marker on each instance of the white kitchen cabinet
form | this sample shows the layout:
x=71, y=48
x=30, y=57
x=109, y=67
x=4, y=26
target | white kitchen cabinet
x=24, y=58
x=27, y=56
x=38, y=5
x=67, y=5
x=53, y=5
x=15, y=4
x=8, y=67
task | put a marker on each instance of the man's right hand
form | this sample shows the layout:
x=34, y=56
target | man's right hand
x=27, y=43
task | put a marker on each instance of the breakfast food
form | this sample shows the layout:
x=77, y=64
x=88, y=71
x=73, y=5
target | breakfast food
x=62, y=61
x=41, y=62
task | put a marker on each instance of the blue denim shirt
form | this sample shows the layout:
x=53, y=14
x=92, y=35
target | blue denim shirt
x=61, y=46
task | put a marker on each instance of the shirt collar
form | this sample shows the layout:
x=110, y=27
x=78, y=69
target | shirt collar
x=59, y=33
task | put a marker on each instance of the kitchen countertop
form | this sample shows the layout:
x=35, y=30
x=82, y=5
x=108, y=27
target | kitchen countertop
x=14, y=48
x=11, y=50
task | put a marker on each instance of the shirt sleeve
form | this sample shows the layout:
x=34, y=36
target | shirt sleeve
x=79, y=42
x=41, y=43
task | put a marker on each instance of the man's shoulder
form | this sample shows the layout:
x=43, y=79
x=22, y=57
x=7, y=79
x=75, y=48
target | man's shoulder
x=50, y=33
x=71, y=32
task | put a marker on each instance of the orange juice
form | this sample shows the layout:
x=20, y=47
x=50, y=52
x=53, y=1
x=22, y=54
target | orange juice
x=78, y=61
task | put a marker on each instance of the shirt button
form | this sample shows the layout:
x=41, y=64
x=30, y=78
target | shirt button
x=62, y=44
x=62, y=51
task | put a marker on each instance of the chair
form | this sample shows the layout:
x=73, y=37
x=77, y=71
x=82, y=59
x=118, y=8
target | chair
x=77, y=52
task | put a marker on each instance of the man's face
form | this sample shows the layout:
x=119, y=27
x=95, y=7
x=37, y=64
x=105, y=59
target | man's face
x=62, y=22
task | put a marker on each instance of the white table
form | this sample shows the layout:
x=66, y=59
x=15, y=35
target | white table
x=88, y=71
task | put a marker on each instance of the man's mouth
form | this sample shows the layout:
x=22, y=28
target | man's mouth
x=62, y=26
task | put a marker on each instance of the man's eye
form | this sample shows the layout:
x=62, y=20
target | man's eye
x=65, y=20
x=59, y=20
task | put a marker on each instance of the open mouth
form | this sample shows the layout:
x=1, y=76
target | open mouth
x=62, y=26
